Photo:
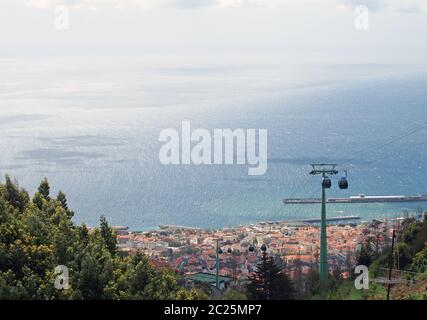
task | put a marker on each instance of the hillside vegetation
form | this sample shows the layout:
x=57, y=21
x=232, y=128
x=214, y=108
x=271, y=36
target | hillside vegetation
x=37, y=234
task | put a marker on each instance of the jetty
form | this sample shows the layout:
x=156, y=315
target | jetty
x=358, y=199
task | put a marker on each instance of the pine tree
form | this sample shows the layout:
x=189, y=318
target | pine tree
x=83, y=232
x=38, y=200
x=62, y=199
x=108, y=235
x=365, y=255
x=312, y=284
x=269, y=282
x=18, y=198
x=298, y=275
x=44, y=189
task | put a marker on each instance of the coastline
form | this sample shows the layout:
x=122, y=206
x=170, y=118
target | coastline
x=191, y=251
x=336, y=220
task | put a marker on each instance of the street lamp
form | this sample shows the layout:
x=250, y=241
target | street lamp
x=218, y=252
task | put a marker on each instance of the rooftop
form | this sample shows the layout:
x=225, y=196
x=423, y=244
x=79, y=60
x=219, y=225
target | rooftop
x=208, y=277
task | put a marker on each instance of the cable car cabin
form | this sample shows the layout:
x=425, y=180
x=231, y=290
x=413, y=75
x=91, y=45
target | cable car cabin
x=326, y=183
x=343, y=183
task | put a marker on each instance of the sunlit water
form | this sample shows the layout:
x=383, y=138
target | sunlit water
x=92, y=127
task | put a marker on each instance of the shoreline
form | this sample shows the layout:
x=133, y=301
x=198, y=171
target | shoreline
x=338, y=220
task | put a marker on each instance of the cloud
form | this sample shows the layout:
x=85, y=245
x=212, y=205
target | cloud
x=374, y=5
x=178, y=4
x=392, y=5
x=144, y=4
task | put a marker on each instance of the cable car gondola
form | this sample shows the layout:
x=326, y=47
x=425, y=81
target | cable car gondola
x=343, y=183
x=326, y=183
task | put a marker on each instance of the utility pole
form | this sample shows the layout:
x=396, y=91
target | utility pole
x=217, y=264
x=324, y=170
x=391, y=265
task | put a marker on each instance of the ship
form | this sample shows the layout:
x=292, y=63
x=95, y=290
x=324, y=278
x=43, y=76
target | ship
x=361, y=198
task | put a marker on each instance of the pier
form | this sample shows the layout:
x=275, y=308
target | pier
x=340, y=218
x=358, y=199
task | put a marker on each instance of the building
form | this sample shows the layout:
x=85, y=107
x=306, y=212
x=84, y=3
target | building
x=209, y=278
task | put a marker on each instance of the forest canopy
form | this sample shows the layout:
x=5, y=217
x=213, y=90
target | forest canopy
x=37, y=234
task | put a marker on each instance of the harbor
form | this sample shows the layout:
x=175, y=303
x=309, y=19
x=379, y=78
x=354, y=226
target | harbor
x=359, y=199
x=331, y=219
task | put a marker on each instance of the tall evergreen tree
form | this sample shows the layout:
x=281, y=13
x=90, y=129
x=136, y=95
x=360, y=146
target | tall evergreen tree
x=312, y=283
x=44, y=189
x=38, y=200
x=83, y=233
x=108, y=235
x=62, y=199
x=365, y=255
x=18, y=198
x=269, y=282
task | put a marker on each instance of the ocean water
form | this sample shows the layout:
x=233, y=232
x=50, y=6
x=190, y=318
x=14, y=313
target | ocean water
x=91, y=126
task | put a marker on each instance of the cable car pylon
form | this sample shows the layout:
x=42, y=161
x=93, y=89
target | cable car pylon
x=326, y=170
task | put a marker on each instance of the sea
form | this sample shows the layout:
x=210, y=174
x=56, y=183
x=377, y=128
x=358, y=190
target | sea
x=91, y=125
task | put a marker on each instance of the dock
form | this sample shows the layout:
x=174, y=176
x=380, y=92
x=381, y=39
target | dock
x=176, y=227
x=331, y=219
x=358, y=199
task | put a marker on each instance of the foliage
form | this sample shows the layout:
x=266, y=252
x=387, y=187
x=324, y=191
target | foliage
x=419, y=263
x=36, y=236
x=234, y=294
x=269, y=282
x=410, y=254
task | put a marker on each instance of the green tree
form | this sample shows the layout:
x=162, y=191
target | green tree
x=233, y=294
x=38, y=200
x=16, y=197
x=312, y=284
x=419, y=263
x=62, y=199
x=108, y=235
x=37, y=236
x=365, y=255
x=96, y=271
x=44, y=189
x=269, y=282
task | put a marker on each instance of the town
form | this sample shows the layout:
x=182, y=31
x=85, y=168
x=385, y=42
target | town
x=192, y=252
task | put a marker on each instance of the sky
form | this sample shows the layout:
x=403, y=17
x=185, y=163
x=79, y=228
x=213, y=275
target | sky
x=308, y=30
